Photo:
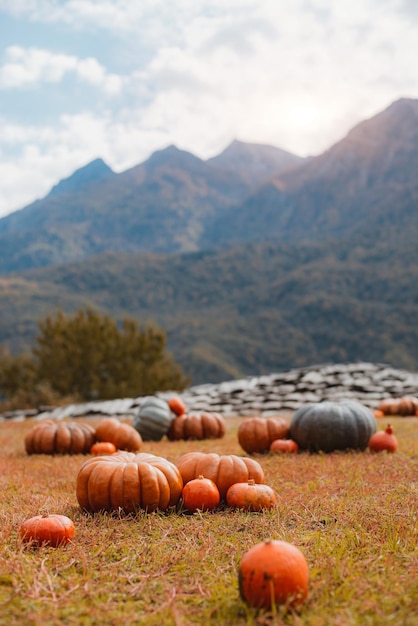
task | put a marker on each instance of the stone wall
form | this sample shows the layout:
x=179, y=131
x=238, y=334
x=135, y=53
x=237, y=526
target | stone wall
x=368, y=383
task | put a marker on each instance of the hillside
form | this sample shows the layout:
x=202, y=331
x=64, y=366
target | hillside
x=247, y=310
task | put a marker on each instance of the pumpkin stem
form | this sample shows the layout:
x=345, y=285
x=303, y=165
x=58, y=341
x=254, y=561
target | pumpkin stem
x=251, y=481
x=200, y=476
x=389, y=429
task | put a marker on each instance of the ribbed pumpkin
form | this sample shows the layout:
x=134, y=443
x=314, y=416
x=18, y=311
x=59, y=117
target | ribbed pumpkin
x=407, y=405
x=50, y=437
x=122, y=435
x=153, y=418
x=255, y=434
x=328, y=426
x=128, y=481
x=197, y=426
x=223, y=470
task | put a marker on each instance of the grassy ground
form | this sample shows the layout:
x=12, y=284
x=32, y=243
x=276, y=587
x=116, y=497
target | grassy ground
x=353, y=515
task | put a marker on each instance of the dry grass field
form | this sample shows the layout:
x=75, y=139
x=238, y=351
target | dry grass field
x=353, y=515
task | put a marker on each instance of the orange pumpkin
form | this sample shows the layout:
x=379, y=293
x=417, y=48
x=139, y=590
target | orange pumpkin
x=378, y=413
x=103, y=447
x=284, y=445
x=407, y=405
x=255, y=434
x=200, y=494
x=177, y=405
x=383, y=440
x=128, y=481
x=50, y=437
x=122, y=435
x=250, y=496
x=273, y=572
x=197, y=426
x=224, y=470
x=49, y=530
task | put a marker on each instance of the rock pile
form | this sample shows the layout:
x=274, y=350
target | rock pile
x=268, y=395
x=367, y=383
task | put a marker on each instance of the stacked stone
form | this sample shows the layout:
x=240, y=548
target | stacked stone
x=368, y=383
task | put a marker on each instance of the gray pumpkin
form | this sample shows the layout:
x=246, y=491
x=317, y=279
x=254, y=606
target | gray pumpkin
x=328, y=426
x=153, y=418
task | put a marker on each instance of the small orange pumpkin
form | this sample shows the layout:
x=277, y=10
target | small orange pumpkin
x=250, y=496
x=200, y=494
x=384, y=440
x=103, y=447
x=47, y=530
x=284, y=445
x=273, y=572
x=177, y=405
x=378, y=413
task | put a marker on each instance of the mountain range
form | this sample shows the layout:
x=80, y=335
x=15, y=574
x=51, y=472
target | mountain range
x=255, y=260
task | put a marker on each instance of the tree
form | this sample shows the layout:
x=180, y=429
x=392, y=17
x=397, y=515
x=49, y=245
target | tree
x=87, y=355
x=16, y=373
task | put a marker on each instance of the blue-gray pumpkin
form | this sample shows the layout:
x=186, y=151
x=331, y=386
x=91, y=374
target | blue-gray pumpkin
x=153, y=418
x=329, y=426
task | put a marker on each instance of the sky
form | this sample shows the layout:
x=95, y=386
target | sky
x=120, y=79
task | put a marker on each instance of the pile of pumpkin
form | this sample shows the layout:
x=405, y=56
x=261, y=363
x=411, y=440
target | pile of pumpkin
x=130, y=480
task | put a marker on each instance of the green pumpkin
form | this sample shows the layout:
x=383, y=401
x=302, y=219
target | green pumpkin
x=153, y=418
x=329, y=426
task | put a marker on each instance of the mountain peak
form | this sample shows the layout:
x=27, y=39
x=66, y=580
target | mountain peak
x=257, y=162
x=172, y=156
x=91, y=173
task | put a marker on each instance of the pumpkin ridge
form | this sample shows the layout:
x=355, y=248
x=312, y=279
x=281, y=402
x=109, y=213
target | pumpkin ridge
x=54, y=439
x=74, y=441
x=150, y=487
x=115, y=485
x=164, y=489
x=226, y=470
x=46, y=437
x=102, y=502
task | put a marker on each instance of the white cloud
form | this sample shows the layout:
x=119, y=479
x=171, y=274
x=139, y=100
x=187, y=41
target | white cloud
x=47, y=154
x=30, y=66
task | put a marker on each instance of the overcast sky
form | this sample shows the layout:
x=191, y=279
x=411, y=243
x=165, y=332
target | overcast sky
x=119, y=79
